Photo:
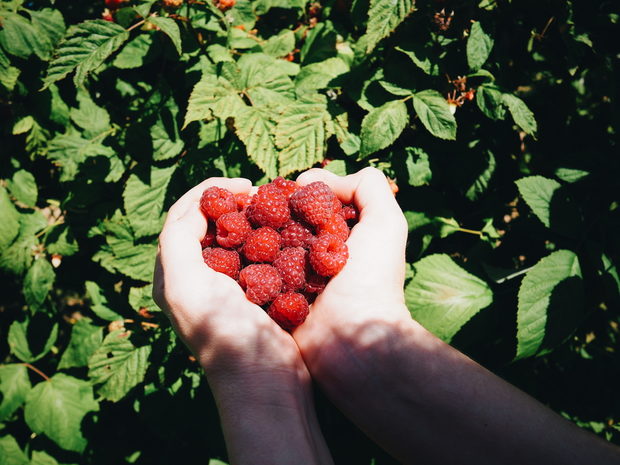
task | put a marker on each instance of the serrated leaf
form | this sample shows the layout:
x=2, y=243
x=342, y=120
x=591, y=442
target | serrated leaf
x=254, y=127
x=24, y=188
x=117, y=365
x=134, y=53
x=522, y=115
x=100, y=304
x=319, y=75
x=142, y=298
x=170, y=28
x=383, y=18
x=17, y=257
x=382, y=126
x=89, y=116
x=11, y=453
x=135, y=261
x=17, y=35
x=166, y=140
x=479, y=46
x=56, y=408
x=484, y=172
x=300, y=136
x=211, y=97
x=9, y=226
x=490, y=101
x=264, y=80
x=537, y=191
x=49, y=27
x=418, y=166
x=570, y=175
x=38, y=282
x=61, y=241
x=442, y=296
x=42, y=458
x=424, y=58
x=85, y=339
x=14, y=386
x=434, y=113
x=279, y=45
x=538, y=289
x=23, y=125
x=27, y=333
x=144, y=200
x=70, y=150
x=84, y=49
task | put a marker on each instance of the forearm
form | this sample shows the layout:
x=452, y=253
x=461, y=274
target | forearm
x=269, y=418
x=425, y=402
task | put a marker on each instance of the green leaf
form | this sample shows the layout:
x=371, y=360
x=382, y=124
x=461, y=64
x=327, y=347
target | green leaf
x=17, y=257
x=548, y=284
x=490, y=101
x=479, y=46
x=42, y=458
x=49, y=27
x=383, y=18
x=11, y=453
x=483, y=169
x=135, y=261
x=84, y=49
x=424, y=58
x=85, y=339
x=90, y=117
x=100, y=304
x=300, y=136
x=70, y=150
x=279, y=45
x=570, y=175
x=60, y=240
x=9, y=226
x=134, y=54
x=17, y=35
x=56, y=408
x=418, y=167
x=264, y=80
x=522, y=115
x=144, y=200
x=538, y=191
x=142, y=298
x=170, y=28
x=24, y=188
x=211, y=97
x=382, y=126
x=38, y=282
x=434, y=112
x=166, y=140
x=23, y=336
x=254, y=127
x=319, y=75
x=14, y=386
x=442, y=296
x=117, y=365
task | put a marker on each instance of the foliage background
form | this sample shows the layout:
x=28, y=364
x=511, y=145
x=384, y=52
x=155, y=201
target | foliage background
x=496, y=119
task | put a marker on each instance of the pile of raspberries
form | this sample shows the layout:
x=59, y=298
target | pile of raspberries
x=282, y=244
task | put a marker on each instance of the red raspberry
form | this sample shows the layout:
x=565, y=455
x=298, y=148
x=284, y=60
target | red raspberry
x=262, y=245
x=291, y=264
x=232, y=229
x=315, y=283
x=287, y=187
x=222, y=260
x=216, y=201
x=225, y=5
x=336, y=226
x=269, y=207
x=328, y=254
x=336, y=205
x=295, y=234
x=261, y=283
x=313, y=203
x=289, y=310
x=114, y=4
x=349, y=213
x=243, y=201
x=209, y=238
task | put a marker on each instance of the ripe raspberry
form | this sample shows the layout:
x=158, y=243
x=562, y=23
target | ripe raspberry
x=313, y=203
x=328, y=254
x=222, y=260
x=349, y=213
x=209, y=238
x=232, y=229
x=261, y=283
x=114, y=4
x=262, y=245
x=216, y=201
x=287, y=187
x=295, y=234
x=225, y=5
x=336, y=226
x=172, y=3
x=243, y=201
x=336, y=205
x=291, y=264
x=269, y=207
x=289, y=310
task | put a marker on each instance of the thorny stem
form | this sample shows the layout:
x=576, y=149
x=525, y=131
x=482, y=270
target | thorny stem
x=138, y=24
x=36, y=370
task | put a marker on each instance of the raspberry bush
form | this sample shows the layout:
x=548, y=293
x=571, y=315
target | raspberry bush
x=497, y=122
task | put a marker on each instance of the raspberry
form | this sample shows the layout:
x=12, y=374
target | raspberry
x=222, y=260
x=114, y=4
x=287, y=187
x=289, y=310
x=313, y=203
x=172, y=3
x=224, y=5
x=232, y=229
x=269, y=207
x=349, y=213
x=336, y=205
x=216, y=201
x=209, y=238
x=243, y=201
x=261, y=283
x=328, y=254
x=262, y=245
x=336, y=226
x=291, y=264
x=295, y=234
x=315, y=283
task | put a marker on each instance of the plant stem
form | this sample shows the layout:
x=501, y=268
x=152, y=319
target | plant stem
x=36, y=370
